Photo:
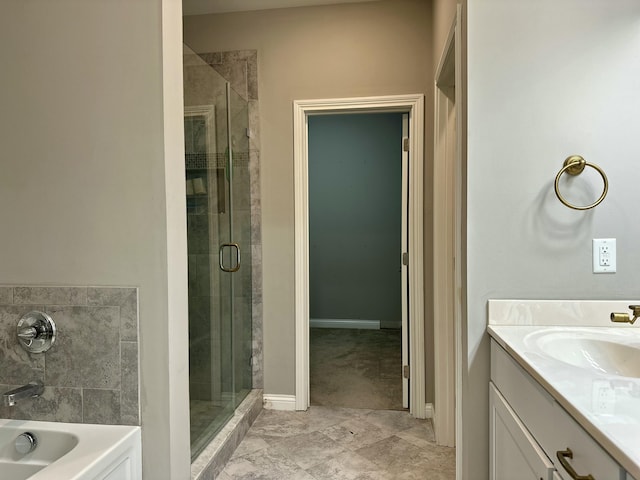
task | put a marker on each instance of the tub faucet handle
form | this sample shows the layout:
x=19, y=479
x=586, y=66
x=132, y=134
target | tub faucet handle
x=29, y=333
x=36, y=332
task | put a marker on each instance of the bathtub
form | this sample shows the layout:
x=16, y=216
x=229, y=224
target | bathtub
x=70, y=451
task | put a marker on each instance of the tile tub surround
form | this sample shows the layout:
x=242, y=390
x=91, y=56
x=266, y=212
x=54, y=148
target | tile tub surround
x=91, y=371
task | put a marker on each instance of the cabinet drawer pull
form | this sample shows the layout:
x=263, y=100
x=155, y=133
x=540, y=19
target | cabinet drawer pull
x=562, y=456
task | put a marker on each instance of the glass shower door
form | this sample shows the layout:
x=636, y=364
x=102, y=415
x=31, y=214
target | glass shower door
x=218, y=250
x=240, y=238
x=235, y=249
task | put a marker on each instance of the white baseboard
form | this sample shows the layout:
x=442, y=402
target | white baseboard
x=429, y=413
x=279, y=402
x=344, y=323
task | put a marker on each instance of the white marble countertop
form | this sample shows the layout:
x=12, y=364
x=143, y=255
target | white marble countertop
x=614, y=419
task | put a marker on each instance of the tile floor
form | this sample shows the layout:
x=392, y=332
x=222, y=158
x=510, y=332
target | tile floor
x=340, y=444
x=355, y=429
x=356, y=368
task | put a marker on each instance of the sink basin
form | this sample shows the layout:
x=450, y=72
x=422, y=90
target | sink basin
x=600, y=352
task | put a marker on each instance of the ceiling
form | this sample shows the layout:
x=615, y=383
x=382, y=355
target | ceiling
x=200, y=7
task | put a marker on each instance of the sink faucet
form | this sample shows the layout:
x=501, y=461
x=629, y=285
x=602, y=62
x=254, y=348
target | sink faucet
x=32, y=389
x=625, y=317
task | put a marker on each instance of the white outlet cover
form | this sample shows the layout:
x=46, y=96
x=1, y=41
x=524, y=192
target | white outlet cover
x=598, y=243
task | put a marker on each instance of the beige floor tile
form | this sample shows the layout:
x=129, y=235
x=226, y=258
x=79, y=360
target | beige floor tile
x=356, y=368
x=310, y=449
x=266, y=464
x=347, y=466
x=340, y=444
x=355, y=433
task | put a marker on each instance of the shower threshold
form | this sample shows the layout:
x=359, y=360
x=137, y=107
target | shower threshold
x=211, y=461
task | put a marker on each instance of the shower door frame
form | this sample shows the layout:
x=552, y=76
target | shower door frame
x=413, y=105
x=226, y=393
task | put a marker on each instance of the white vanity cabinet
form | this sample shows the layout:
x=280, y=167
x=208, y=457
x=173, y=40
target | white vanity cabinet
x=528, y=428
x=515, y=455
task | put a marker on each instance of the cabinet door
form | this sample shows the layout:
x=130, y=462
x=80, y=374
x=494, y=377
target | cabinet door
x=589, y=458
x=515, y=455
x=556, y=476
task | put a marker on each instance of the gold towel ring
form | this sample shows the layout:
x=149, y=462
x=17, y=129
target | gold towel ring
x=574, y=165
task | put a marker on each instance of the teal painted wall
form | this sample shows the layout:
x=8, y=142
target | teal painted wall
x=355, y=189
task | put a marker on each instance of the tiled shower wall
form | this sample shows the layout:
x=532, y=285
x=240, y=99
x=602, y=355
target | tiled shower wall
x=91, y=371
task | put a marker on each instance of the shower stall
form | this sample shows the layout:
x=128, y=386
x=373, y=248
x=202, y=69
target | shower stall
x=219, y=248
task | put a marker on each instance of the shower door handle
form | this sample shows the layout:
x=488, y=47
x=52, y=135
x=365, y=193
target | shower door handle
x=221, y=257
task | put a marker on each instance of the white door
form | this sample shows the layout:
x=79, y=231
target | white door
x=404, y=261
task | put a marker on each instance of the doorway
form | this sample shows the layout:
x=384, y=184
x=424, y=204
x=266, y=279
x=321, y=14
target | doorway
x=448, y=243
x=356, y=235
x=413, y=105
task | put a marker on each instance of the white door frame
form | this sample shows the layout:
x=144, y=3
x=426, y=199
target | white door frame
x=404, y=267
x=414, y=106
x=447, y=241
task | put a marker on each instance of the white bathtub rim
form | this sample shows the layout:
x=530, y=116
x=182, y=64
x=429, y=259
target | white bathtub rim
x=98, y=446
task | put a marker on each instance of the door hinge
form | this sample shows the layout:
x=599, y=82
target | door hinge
x=405, y=258
x=405, y=144
x=405, y=371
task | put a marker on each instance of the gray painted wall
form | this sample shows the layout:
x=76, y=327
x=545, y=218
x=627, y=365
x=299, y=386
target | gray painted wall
x=355, y=217
x=87, y=158
x=540, y=90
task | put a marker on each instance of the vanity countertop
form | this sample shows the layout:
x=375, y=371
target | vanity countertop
x=606, y=405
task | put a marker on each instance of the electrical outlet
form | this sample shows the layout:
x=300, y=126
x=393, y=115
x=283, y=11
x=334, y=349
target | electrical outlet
x=604, y=255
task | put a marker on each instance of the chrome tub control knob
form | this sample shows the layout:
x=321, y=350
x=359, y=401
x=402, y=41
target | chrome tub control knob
x=36, y=332
x=28, y=333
